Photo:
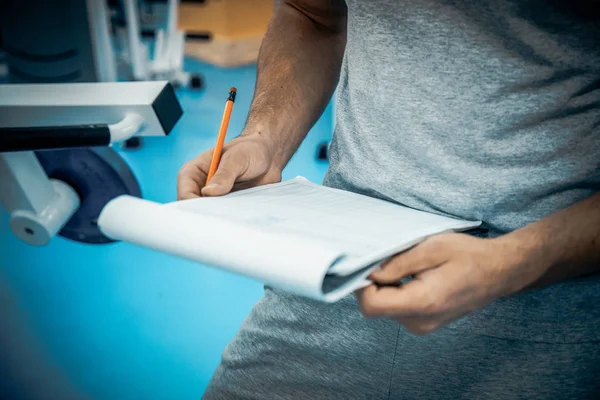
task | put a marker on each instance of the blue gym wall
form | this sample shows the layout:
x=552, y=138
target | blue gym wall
x=120, y=322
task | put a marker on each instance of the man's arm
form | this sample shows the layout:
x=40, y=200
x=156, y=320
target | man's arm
x=561, y=246
x=298, y=69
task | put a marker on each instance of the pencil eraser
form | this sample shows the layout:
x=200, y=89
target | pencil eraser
x=234, y=90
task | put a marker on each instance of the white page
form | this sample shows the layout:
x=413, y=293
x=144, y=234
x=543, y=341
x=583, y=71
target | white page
x=295, y=264
x=364, y=228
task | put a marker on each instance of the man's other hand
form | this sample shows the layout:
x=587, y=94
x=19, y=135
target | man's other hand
x=453, y=275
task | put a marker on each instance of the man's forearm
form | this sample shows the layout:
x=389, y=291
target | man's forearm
x=298, y=69
x=561, y=246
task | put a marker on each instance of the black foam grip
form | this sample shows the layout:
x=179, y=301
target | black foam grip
x=56, y=137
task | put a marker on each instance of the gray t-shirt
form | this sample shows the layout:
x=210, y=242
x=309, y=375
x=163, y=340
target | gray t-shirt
x=486, y=110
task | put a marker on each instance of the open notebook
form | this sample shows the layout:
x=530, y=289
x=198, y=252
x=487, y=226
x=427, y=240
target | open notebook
x=299, y=236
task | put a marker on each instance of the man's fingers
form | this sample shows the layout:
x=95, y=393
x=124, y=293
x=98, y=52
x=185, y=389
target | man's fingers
x=188, y=191
x=428, y=254
x=411, y=299
x=230, y=168
x=189, y=181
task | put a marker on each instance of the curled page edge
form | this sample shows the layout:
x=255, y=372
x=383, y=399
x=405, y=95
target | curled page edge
x=292, y=263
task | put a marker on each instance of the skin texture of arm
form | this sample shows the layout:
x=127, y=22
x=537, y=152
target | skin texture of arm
x=298, y=70
x=564, y=245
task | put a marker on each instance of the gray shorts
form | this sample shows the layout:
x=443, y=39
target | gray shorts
x=293, y=348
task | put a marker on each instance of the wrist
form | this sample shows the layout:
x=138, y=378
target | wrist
x=273, y=149
x=524, y=260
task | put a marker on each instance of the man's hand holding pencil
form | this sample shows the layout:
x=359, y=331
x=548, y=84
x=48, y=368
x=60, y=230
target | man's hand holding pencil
x=245, y=162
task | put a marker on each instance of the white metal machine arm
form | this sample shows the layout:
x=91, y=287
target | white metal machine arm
x=67, y=116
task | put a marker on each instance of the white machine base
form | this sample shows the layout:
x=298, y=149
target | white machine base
x=38, y=229
x=41, y=208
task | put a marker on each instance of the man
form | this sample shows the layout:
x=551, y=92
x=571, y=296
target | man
x=484, y=110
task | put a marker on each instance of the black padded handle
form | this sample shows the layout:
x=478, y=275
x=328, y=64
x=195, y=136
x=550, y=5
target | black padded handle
x=55, y=137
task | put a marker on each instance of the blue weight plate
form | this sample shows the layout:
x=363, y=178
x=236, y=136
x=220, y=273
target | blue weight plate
x=98, y=175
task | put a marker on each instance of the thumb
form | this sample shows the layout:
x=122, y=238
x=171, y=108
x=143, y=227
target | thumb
x=428, y=254
x=229, y=169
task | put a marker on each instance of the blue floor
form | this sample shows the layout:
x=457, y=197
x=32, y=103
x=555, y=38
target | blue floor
x=121, y=322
